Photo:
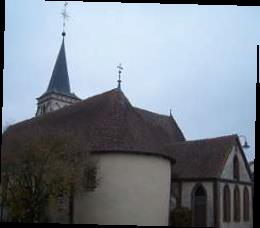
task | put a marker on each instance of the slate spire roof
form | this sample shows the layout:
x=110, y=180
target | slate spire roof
x=60, y=78
x=59, y=82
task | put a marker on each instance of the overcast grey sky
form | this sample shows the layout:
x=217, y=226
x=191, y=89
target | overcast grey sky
x=199, y=61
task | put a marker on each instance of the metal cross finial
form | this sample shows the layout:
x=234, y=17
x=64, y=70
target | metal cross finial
x=119, y=75
x=65, y=16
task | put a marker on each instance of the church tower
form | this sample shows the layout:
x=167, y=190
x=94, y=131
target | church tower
x=58, y=93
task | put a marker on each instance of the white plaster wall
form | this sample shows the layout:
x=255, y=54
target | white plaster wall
x=242, y=223
x=228, y=169
x=187, y=188
x=134, y=190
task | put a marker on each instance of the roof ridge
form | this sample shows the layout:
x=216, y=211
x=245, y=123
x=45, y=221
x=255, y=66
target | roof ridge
x=115, y=90
x=80, y=102
x=206, y=139
x=155, y=113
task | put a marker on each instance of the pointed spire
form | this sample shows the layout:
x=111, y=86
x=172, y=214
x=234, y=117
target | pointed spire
x=60, y=78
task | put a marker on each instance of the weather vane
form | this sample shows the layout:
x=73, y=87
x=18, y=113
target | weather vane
x=65, y=16
x=120, y=68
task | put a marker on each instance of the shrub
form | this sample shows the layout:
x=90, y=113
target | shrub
x=181, y=217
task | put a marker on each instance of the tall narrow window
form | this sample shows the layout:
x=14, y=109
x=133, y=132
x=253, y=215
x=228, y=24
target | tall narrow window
x=236, y=168
x=226, y=204
x=246, y=204
x=236, y=204
x=199, y=206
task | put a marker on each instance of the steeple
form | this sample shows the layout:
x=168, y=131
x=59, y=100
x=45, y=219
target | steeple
x=58, y=93
x=60, y=78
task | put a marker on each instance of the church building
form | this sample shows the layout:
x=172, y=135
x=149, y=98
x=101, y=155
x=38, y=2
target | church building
x=148, y=167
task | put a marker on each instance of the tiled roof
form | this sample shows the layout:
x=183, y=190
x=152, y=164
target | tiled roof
x=166, y=125
x=202, y=158
x=108, y=122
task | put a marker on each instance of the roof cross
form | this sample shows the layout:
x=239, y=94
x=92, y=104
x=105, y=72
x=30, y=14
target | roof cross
x=120, y=68
x=65, y=17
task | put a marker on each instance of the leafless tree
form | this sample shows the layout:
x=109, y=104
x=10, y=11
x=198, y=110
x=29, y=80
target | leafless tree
x=40, y=165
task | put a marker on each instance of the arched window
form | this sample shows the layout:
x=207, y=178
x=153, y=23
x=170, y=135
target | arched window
x=246, y=204
x=236, y=204
x=226, y=204
x=199, y=206
x=236, y=168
